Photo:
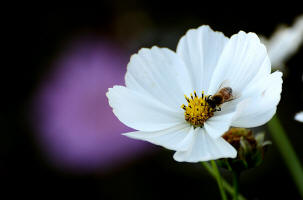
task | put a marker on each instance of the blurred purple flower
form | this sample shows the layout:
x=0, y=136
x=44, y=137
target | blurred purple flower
x=74, y=121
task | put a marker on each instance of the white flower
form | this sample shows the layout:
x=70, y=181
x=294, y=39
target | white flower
x=157, y=80
x=284, y=42
x=299, y=116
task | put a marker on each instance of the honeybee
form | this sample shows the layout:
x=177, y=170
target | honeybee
x=223, y=95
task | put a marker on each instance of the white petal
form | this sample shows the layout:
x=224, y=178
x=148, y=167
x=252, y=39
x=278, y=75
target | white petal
x=140, y=111
x=284, y=42
x=159, y=73
x=299, y=116
x=259, y=81
x=240, y=62
x=205, y=148
x=177, y=138
x=217, y=125
x=257, y=87
x=258, y=109
x=200, y=49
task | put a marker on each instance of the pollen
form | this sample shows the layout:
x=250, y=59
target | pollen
x=197, y=110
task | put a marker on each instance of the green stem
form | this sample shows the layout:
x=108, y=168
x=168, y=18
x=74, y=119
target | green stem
x=236, y=177
x=225, y=184
x=218, y=178
x=291, y=160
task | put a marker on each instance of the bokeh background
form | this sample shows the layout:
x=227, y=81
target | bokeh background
x=59, y=138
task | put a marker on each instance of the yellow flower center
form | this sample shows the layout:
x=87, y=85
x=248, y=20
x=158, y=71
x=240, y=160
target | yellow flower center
x=198, y=110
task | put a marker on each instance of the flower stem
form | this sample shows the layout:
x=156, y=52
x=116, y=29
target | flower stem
x=236, y=177
x=225, y=184
x=218, y=178
x=291, y=160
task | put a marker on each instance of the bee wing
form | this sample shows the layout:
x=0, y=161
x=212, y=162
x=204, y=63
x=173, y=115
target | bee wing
x=231, y=98
x=234, y=95
x=225, y=83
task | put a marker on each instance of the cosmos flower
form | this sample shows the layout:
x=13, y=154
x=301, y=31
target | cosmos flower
x=75, y=125
x=299, y=116
x=167, y=94
x=284, y=42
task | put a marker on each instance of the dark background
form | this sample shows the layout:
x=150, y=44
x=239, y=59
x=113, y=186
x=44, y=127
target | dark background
x=40, y=33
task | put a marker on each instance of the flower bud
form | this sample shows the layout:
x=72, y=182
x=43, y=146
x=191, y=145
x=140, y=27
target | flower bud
x=250, y=149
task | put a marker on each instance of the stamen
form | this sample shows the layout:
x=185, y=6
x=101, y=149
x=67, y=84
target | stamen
x=187, y=99
x=198, y=110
